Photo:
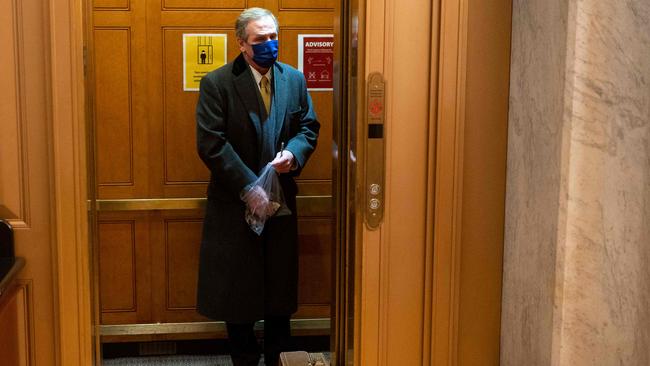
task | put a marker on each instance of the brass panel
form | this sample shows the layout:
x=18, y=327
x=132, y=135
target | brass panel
x=147, y=204
x=307, y=205
x=200, y=327
x=375, y=150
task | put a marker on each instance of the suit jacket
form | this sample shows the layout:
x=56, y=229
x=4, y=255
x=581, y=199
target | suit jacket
x=243, y=276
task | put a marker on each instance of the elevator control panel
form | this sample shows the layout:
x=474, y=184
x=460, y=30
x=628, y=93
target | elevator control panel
x=375, y=150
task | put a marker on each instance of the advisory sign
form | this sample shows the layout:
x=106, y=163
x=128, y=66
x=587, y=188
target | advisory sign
x=316, y=60
x=202, y=53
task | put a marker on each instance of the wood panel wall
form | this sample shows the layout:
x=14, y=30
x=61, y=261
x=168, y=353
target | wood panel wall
x=145, y=148
x=16, y=322
x=25, y=181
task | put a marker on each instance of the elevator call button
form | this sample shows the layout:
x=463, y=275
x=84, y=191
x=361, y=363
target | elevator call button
x=375, y=189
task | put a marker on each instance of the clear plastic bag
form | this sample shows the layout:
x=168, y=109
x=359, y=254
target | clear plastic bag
x=264, y=199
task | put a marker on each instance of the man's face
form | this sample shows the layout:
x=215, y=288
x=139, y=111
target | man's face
x=258, y=31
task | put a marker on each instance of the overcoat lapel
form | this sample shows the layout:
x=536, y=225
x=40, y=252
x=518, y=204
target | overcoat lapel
x=279, y=105
x=268, y=130
x=245, y=86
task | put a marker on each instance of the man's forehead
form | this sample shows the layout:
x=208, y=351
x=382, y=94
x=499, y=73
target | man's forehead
x=263, y=25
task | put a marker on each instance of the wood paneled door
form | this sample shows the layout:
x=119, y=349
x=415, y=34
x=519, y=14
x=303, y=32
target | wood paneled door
x=149, y=181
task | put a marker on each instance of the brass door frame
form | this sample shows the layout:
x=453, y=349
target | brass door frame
x=91, y=153
x=312, y=205
x=348, y=105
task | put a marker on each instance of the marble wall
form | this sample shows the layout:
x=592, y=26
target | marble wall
x=537, y=77
x=577, y=247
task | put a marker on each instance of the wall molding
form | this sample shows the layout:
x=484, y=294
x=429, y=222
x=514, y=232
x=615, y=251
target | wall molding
x=448, y=181
x=68, y=168
x=25, y=287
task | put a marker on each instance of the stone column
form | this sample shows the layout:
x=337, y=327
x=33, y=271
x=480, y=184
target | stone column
x=577, y=247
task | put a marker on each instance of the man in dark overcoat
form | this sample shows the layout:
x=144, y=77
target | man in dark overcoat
x=251, y=112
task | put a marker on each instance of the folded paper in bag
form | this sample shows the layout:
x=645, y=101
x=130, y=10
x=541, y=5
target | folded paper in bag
x=264, y=199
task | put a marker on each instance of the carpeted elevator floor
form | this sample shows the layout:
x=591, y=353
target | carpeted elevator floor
x=212, y=352
x=174, y=360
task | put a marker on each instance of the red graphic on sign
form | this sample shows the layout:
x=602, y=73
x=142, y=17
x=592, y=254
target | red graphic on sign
x=318, y=61
x=375, y=108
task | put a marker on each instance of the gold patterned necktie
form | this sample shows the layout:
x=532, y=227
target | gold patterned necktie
x=265, y=89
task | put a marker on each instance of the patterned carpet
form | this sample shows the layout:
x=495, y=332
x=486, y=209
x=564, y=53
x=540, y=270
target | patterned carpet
x=176, y=360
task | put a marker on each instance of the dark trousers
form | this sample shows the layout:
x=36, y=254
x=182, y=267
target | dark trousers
x=244, y=349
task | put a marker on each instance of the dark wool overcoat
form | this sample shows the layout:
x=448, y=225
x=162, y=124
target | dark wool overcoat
x=243, y=276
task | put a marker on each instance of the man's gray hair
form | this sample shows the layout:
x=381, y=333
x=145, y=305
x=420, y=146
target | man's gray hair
x=249, y=15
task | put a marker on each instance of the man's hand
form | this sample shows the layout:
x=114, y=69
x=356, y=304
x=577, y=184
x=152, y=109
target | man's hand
x=283, y=161
x=257, y=200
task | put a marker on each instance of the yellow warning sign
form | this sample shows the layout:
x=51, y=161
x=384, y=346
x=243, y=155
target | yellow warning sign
x=202, y=53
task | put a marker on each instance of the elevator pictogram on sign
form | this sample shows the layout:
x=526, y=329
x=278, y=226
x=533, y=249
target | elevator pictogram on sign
x=202, y=53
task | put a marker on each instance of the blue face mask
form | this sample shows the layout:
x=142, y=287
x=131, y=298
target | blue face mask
x=265, y=53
